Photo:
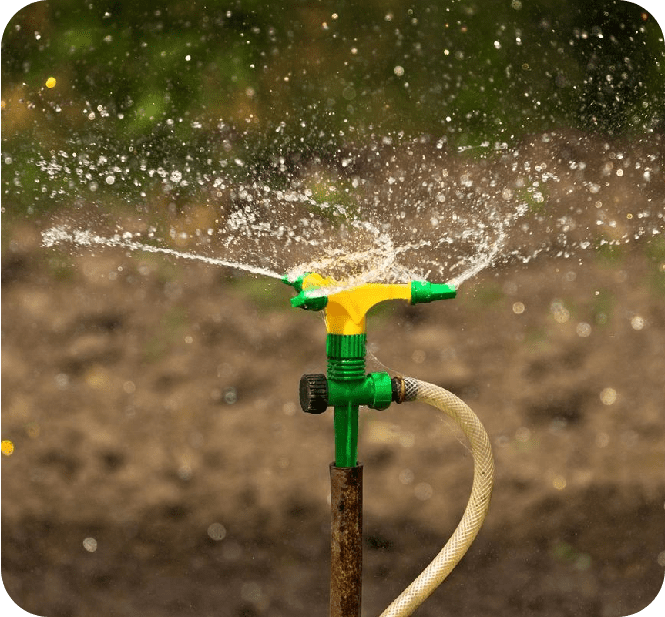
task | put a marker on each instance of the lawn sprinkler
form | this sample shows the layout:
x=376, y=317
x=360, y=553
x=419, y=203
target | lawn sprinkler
x=346, y=387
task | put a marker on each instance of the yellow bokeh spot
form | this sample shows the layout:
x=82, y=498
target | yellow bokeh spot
x=97, y=378
x=50, y=82
x=7, y=447
x=559, y=483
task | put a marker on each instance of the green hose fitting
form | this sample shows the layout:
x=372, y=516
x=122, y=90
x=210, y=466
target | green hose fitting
x=375, y=391
x=348, y=388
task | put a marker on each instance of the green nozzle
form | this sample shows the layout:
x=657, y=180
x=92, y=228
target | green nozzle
x=422, y=291
x=295, y=283
x=309, y=301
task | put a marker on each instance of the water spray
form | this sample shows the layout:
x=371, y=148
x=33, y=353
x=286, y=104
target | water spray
x=345, y=388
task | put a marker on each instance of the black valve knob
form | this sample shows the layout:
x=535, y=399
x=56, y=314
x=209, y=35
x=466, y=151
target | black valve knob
x=314, y=393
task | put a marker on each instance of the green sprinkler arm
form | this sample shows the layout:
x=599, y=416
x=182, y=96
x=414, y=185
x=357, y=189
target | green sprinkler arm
x=346, y=385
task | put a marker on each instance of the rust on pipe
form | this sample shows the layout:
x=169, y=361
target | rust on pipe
x=346, y=502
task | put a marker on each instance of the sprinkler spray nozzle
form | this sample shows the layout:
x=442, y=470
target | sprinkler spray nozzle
x=422, y=291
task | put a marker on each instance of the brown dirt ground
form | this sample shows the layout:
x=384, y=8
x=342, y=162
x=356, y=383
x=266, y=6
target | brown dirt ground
x=149, y=400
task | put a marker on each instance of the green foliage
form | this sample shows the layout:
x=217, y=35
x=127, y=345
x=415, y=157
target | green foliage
x=266, y=295
x=60, y=266
x=567, y=553
x=609, y=254
x=167, y=332
x=656, y=253
x=486, y=295
x=603, y=306
x=220, y=81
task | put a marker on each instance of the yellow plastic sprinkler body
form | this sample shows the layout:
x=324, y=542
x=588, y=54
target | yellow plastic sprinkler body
x=346, y=385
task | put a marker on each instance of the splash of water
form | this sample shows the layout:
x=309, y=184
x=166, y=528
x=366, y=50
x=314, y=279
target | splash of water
x=422, y=213
x=86, y=238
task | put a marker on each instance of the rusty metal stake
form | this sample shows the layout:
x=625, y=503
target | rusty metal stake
x=346, y=504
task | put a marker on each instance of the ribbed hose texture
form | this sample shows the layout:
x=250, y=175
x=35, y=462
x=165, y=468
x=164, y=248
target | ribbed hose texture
x=476, y=509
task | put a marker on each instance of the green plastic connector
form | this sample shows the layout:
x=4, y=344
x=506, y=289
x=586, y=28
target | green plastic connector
x=422, y=291
x=309, y=300
x=296, y=283
x=374, y=390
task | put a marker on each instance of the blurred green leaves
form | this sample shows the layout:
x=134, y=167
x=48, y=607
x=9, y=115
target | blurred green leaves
x=220, y=81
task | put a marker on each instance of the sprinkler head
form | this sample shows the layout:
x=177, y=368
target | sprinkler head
x=346, y=385
x=346, y=308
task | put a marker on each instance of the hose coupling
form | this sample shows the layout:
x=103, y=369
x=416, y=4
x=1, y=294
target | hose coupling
x=398, y=386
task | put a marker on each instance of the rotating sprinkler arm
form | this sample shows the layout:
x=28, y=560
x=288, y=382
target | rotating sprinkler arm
x=346, y=308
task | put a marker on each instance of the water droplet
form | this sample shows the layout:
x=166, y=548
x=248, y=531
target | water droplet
x=418, y=356
x=62, y=381
x=637, y=322
x=251, y=592
x=602, y=440
x=559, y=312
x=230, y=396
x=583, y=329
x=217, y=532
x=90, y=545
x=406, y=476
x=608, y=396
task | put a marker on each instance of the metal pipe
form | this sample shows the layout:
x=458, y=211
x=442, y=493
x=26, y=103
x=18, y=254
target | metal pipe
x=346, y=505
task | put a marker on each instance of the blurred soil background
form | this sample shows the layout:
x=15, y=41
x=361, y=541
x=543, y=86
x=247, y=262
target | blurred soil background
x=161, y=465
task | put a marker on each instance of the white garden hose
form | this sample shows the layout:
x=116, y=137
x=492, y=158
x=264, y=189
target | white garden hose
x=476, y=509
